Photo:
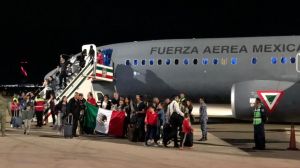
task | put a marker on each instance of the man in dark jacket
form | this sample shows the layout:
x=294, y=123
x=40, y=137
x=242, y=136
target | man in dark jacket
x=74, y=109
x=82, y=112
x=139, y=110
x=63, y=72
x=259, y=119
x=92, y=54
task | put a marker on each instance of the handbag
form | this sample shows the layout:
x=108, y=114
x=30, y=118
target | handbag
x=133, y=119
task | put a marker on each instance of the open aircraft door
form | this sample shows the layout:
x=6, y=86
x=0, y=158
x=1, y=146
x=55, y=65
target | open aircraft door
x=298, y=62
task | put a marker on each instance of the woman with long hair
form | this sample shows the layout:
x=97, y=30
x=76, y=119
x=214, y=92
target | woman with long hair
x=52, y=102
x=91, y=99
x=105, y=103
x=190, y=107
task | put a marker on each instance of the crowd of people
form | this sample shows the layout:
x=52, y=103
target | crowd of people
x=151, y=121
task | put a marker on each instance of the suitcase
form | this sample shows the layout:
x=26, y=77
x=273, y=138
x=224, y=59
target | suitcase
x=17, y=120
x=132, y=133
x=68, y=127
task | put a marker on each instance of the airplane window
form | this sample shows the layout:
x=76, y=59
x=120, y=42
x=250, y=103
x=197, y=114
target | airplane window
x=143, y=62
x=293, y=60
x=274, y=60
x=176, y=61
x=135, y=62
x=127, y=62
x=195, y=61
x=234, y=61
x=168, y=61
x=215, y=61
x=204, y=61
x=151, y=61
x=186, y=61
x=284, y=60
x=224, y=61
x=159, y=62
x=254, y=60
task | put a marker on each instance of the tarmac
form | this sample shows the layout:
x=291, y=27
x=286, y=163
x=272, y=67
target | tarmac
x=228, y=145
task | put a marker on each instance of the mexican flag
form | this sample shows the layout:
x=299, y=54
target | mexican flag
x=104, y=73
x=104, y=121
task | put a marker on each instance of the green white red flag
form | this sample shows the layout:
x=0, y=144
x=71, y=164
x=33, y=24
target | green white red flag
x=104, y=121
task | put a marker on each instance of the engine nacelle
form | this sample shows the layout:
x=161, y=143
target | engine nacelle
x=287, y=110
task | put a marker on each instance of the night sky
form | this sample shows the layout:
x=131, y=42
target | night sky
x=38, y=31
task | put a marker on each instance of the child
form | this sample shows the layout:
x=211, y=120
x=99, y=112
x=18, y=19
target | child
x=151, y=125
x=160, y=121
x=187, y=130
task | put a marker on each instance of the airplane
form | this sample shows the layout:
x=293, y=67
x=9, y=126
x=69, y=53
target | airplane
x=224, y=71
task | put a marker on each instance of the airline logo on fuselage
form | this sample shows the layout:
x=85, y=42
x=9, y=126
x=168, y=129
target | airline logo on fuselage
x=270, y=98
x=225, y=49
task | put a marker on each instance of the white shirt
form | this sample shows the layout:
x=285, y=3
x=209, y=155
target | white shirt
x=173, y=107
x=104, y=104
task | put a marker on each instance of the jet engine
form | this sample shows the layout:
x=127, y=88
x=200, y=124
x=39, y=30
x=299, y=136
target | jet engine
x=287, y=109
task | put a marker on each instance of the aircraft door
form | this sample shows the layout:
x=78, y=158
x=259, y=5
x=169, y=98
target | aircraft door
x=298, y=62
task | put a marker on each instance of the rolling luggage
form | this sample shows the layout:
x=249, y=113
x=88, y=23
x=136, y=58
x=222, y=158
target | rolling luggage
x=68, y=127
x=17, y=120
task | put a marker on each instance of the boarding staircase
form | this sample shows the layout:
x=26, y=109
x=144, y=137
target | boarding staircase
x=74, y=78
x=78, y=79
x=74, y=81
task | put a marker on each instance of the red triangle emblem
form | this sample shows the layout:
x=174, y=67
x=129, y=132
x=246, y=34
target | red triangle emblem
x=270, y=98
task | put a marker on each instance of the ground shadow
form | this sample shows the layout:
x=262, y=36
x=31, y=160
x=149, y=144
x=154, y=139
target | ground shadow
x=275, y=148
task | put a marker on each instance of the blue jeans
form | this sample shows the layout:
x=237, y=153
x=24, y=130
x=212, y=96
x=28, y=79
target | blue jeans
x=151, y=133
